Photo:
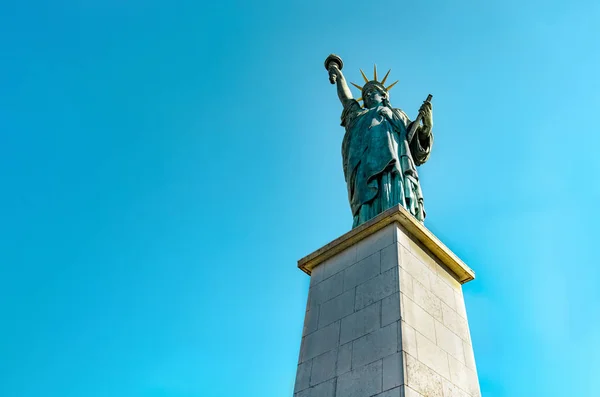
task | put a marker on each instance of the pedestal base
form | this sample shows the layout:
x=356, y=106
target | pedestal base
x=386, y=316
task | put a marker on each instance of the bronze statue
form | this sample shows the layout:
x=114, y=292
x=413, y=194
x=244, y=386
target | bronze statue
x=381, y=147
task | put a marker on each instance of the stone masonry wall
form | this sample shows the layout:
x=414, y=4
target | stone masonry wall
x=385, y=319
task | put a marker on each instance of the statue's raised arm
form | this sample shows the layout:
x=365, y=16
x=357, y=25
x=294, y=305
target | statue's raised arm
x=334, y=66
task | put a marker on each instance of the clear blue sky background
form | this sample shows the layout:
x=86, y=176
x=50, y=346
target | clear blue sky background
x=164, y=164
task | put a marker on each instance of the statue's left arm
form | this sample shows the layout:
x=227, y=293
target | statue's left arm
x=420, y=145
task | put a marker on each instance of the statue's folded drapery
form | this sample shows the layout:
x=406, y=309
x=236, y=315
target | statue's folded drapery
x=379, y=162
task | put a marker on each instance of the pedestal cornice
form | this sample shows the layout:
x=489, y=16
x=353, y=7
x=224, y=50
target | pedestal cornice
x=462, y=272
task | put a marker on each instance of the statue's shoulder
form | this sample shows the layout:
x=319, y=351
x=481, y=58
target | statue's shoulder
x=352, y=110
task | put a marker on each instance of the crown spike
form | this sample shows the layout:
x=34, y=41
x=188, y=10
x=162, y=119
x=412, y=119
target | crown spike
x=389, y=87
x=364, y=77
x=375, y=72
x=357, y=86
x=386, y=76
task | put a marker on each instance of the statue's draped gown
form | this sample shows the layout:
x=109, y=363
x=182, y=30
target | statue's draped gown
x=379, y=162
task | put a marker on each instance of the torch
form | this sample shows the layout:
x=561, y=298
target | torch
x=331, y=60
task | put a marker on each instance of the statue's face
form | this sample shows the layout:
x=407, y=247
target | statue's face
x=374, y=97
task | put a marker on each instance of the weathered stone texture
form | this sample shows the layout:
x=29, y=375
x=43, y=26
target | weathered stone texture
x=393, y=371
x=326, y=290
x=361, y=323
x=325, y=389
x=336, y=308
x=422, y=379
x=376, y=242
x=303, y=376
x=385, y=318
x=320, y=341
x=418, y=318
x=449, y=341
x=362, y=271
x=390, y=309
x=376, y=288
x=435, y=332
x=323, y=367
x=395, y=392
x=364, y=381
x=344, y=360
x=375, y=346
x=433, y=356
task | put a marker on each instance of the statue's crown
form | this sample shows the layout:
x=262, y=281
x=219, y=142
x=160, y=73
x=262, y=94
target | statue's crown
x=374, y=82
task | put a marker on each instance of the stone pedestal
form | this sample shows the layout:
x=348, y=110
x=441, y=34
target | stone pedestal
x=386, y=316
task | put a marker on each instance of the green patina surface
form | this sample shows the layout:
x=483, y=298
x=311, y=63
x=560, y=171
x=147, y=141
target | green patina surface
x=381, y=148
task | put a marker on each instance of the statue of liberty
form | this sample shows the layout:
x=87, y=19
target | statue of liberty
x=381, y=147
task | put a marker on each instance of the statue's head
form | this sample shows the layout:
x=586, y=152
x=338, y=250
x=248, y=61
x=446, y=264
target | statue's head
x=374, y=92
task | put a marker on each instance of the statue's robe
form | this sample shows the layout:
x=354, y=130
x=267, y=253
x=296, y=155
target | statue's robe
x=380, y=163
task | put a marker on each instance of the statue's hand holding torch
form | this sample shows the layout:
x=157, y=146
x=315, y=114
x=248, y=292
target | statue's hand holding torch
x=334, y=65
x=334, y=73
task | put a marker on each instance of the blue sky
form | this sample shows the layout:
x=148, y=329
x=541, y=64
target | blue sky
x=163, y=166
